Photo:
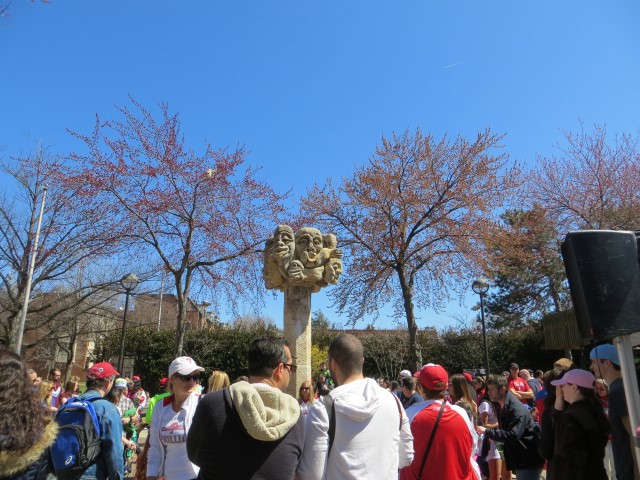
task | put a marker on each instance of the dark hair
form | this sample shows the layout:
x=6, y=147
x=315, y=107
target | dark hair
x=409, y=383
x=348, y=352
x=95, y=383
x=51, y=372
x=394, y=385
x=114, y=395
x=21, y=417
x=429, y=394
x=548, y=377
x=497, y=380
x=596, y=409
x=265, y=354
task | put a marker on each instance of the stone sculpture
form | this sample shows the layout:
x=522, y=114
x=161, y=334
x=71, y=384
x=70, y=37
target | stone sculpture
x=300, y=264
x=304, y=259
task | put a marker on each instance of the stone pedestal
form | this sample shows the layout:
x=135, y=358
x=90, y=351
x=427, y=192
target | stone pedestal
x=297, y=331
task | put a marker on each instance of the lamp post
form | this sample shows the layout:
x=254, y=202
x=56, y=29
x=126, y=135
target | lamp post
x=481, y=287
x=129, y=282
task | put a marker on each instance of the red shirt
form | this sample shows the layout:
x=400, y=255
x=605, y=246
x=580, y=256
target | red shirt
x=519, y=385
x=450, y=455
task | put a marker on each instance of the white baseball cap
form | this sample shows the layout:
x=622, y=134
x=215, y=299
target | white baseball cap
x=184, y=366
x=405, y=373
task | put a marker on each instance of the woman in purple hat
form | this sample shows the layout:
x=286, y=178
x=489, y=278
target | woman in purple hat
x=581, y=430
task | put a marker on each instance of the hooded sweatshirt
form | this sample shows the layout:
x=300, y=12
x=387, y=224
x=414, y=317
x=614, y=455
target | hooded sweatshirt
x=372, y=436
x=246, y=431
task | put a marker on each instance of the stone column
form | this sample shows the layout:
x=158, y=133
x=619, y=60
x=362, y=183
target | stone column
x=297, y=331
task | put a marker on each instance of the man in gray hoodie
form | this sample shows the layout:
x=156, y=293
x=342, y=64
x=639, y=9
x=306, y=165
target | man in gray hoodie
x=255, y=422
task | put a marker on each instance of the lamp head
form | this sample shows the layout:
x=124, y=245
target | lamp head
x=480, y=286
x=129, y=281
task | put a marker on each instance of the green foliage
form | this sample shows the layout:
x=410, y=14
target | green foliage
x=318, y=356
x=529, y=279
x=386, y=352
x=222, y=348
x=457, y=350
x=319, y=321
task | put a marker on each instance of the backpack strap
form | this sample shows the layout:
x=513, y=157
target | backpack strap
x=327, y=401
x=399, y=410
x=433, y=433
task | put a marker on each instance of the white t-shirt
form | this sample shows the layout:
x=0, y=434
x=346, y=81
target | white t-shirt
x=168, y=441
x=486, y=407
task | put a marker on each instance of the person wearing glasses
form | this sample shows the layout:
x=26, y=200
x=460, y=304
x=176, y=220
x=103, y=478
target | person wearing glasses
x=254, y=421
x=172, y=419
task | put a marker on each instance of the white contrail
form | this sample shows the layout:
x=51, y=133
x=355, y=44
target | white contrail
x=453, y=65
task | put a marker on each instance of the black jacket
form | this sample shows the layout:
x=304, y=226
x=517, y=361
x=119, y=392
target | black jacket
x=580, y=441
x=221, y=446
x=519, y=433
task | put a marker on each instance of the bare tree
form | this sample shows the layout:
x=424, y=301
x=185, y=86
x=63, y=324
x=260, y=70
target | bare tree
x=200, y=215
x=411, y=221
x=67, y=239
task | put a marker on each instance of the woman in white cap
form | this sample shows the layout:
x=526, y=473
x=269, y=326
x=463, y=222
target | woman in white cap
x=581, y=429
x=167, y=456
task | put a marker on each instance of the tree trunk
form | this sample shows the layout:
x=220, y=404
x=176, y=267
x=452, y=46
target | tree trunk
x=71, y=357
x=407, y=298
x=183, y=299
x=180, y=324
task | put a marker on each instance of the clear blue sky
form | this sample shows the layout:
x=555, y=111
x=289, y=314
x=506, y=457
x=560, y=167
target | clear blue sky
x=309, y=87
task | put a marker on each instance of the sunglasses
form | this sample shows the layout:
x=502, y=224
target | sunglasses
x=186, y=378
x=304, y=388
x=291, y=366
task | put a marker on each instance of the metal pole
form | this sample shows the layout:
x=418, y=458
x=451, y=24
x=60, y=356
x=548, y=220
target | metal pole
x=484, y=335
x=32, y=263
x=630, y=381
x=124, y=327
x=160, y=307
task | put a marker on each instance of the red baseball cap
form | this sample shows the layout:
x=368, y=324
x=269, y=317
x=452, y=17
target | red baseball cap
x=163, y=381
x=102, y=370
x=433, y=377
x=135, y=378
x=467, y=376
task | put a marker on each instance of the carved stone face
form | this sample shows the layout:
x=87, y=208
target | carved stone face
x=295, y=272
x=308, y=245
x=283, y=242
x=332, y=271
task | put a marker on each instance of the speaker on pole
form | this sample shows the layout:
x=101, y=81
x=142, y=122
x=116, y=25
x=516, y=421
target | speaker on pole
x=604, y=279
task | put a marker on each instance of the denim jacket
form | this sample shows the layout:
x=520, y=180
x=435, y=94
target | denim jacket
x=110, y=463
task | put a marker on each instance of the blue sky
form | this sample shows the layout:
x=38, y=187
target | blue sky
x=309, y=87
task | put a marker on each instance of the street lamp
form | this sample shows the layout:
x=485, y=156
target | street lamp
x=481, y=287
x=129, y=282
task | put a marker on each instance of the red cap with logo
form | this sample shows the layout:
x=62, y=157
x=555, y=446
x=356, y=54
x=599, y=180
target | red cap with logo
x=102, y=370
x=433, y=377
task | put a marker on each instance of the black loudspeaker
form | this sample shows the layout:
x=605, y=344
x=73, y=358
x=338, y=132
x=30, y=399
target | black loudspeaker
x=604, y=279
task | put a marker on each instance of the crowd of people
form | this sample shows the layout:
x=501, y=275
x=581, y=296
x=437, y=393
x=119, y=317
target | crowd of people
x=571, y=422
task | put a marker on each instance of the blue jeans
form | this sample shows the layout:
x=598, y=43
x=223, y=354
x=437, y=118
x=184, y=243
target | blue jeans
x=527, y=474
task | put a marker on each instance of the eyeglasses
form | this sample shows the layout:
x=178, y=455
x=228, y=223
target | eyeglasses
x=186, y=378
x=291, y=366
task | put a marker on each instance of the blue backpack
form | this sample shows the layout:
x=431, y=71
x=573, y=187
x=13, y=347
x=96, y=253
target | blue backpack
x=78, y=443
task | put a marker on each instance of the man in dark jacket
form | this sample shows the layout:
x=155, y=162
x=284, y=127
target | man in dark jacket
x=255, y=422
x=516, y=429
